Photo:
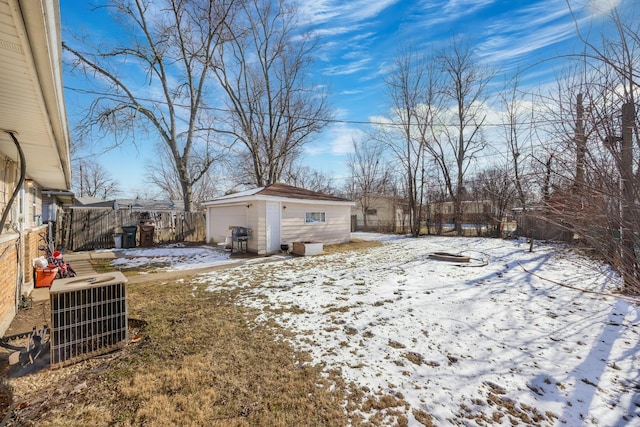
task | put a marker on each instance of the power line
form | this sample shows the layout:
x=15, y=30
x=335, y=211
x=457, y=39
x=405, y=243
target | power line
x=333, y=121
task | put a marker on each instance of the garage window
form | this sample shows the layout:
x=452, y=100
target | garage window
x=314, y=217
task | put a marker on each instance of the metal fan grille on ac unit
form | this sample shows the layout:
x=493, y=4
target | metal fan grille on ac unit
x=88, y=317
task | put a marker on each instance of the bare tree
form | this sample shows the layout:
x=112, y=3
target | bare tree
x=170, y=45
x=412, y=93
x=517, y=127
x=464, y=94
x=160, y=172
x=370, y=175
x=93, y=180
x=273, y=109
x=310, y=179
x=494, y=191
x=606, y=140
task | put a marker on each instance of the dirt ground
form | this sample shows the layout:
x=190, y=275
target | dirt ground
x=35, y=315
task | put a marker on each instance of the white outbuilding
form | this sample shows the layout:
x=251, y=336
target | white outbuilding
x=278, y=216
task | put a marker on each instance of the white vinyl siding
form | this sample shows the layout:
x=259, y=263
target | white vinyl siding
x=335, y=229
x=252, y=213
x=221, y=218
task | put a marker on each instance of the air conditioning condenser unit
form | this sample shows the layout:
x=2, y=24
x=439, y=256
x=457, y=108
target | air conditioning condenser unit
x=89, y=317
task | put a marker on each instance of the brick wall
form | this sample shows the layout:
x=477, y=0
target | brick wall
x=31, y=242
x=8, y=278
x=9, y=267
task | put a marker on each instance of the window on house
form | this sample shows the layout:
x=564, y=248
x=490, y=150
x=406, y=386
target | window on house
x=372, y=212
x=313, y=217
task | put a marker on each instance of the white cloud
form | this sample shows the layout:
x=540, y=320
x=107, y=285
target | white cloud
x=336, y=141
x=529, y=29
x=351, y=92
x=348, y=68
x=341, y=12
x=343, y=137
x=435, y=12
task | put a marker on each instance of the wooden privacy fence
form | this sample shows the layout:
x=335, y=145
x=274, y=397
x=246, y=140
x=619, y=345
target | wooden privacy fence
x=88, y=229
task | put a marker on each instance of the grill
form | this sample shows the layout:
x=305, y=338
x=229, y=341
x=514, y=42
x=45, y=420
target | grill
x=88, y=317
x=239, y=237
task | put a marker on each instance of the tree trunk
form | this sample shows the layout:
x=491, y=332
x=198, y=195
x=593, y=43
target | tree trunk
x=629, y=260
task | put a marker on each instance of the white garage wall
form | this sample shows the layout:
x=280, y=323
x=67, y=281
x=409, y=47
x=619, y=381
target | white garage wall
x=220, y=218
x=336, y=228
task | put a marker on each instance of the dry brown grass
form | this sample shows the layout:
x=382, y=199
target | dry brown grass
x=202, y=361
x=497, y=407
x=354, y=245
x=104, y=266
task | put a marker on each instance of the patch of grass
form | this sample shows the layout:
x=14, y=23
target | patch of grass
x=387, y=410
x=498, y=407
x=105, y=266
x=413, y=357
x=295, y=309
x=395, y=344
x=384, y=402
x=203, y=360
x=354, y=245
x=334, y=309
x=423, y=418
x=368, y=334
x=102, y=265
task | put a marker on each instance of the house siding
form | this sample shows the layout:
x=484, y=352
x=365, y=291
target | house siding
x=389, y=216
x=256, y=222
x=335, y=229
x=292, y=205
x=221, y=218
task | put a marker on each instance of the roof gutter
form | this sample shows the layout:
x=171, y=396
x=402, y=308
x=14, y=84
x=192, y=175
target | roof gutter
x=42, y=23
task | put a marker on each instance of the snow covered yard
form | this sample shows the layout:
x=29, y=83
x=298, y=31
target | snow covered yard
x=172, y=257
x=470, y=344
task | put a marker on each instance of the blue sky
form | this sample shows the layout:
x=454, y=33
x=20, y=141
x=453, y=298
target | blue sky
x=357, y=41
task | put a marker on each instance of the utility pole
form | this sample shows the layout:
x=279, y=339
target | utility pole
x=81, y=181
x=629, y=262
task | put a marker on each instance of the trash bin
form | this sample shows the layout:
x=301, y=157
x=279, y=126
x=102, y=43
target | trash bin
x=146, y=235
x=117, y=240
x=129, y=236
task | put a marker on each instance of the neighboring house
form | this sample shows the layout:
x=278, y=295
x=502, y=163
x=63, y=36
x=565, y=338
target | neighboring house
x=478, y=215
x=34, y=141
x=279, y=214
x=380, y=212
x=134, y=205
x=473, y=211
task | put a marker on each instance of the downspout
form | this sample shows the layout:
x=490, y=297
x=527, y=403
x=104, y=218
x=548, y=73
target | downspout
x=23, y=173
x=5, y=214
